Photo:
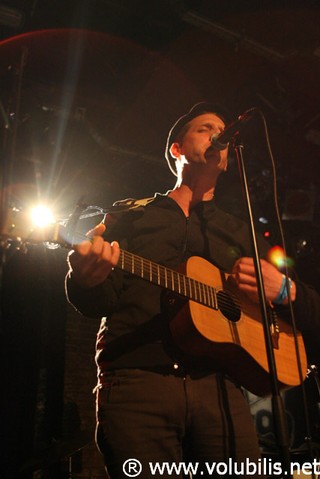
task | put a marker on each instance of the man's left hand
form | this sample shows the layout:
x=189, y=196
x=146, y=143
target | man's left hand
x=245, y=278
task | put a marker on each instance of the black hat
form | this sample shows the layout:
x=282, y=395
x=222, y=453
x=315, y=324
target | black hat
x=196, y=110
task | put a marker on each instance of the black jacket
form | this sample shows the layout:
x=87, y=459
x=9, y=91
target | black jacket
x=134, y=331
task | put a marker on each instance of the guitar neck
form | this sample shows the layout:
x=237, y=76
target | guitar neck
x=168, y=278
x=131, y=263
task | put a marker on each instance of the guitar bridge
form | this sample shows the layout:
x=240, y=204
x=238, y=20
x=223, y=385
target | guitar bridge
x=274, y=329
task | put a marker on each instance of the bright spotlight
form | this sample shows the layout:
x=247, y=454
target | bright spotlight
x=41, y=216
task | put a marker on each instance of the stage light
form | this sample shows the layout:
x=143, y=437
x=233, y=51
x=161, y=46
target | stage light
x=41, y=216
x=304, y=247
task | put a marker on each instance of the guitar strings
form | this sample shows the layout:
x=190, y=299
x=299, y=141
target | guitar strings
x=181, y=284
x=208, y=294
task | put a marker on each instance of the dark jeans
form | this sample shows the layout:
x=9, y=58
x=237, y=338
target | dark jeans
x=154, y=417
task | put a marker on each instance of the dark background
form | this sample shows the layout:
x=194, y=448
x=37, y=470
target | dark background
x=88, y=91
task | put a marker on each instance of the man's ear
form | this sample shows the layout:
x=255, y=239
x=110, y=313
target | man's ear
x=175, y=150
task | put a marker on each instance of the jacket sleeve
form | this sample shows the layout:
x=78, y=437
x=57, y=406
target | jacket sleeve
x=102, y=300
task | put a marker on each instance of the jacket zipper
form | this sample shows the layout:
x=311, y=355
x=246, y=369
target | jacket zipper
x=184, y=249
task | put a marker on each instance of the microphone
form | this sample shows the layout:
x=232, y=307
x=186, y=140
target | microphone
x=221, y=140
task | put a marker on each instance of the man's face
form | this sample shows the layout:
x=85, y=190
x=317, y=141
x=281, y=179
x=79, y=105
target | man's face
x=196, y=147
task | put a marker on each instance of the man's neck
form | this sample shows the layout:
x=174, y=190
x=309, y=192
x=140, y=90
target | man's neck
x=187, y=198
x=195, y=183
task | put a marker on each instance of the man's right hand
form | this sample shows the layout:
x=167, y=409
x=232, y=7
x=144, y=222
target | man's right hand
x=93, y=260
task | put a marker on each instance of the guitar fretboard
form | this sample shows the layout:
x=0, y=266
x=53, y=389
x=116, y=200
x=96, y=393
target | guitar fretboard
x=168, y=278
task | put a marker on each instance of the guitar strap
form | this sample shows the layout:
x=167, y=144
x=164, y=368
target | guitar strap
x=129, y=204
x=123, y=206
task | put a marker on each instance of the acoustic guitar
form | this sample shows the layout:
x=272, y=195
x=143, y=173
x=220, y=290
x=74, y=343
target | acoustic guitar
x=212, y=318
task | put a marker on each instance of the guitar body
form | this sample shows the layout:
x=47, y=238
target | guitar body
x=233, y=336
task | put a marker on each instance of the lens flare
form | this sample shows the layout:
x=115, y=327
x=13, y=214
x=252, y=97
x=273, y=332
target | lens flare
x=277, y=257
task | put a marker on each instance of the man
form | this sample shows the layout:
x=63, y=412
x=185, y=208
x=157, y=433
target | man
x=156, y=403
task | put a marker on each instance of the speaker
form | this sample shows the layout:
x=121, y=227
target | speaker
x=261, y=409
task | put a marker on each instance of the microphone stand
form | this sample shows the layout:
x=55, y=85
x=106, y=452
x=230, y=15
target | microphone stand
x=278, y=410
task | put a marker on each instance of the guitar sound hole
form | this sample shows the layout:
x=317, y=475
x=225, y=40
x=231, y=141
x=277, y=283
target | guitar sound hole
x=228, y=306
